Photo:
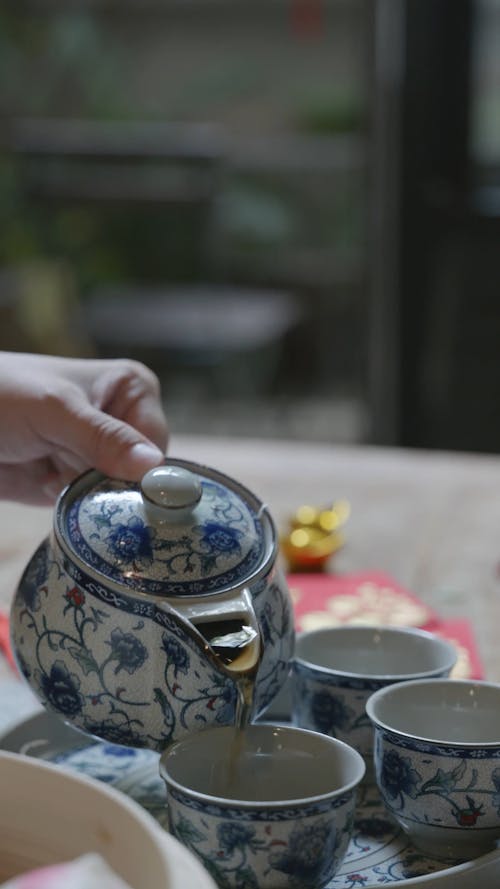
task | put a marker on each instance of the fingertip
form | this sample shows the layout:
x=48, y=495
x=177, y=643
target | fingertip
x=141, y=457
x=50, y=491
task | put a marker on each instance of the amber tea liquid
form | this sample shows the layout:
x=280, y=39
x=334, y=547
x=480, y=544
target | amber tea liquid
x=238, y=647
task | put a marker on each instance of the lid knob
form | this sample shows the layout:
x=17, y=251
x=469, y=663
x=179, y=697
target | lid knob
x=172, y=488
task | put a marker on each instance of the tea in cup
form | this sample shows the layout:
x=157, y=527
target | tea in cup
x=336, y=669
x=265, y=805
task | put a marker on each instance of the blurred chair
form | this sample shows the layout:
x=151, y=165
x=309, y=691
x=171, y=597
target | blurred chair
x=167, y=305
x=230, y=336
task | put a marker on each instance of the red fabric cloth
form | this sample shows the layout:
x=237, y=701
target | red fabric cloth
x=370, y=597
x=322, y=600
x=5, y=639
x=459, y=632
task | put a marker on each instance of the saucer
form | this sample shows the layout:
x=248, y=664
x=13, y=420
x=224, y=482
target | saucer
x=379, y=852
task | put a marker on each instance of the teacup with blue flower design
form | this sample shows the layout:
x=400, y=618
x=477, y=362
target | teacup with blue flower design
x=271, y=806
x=336, y=669
x=437, y=763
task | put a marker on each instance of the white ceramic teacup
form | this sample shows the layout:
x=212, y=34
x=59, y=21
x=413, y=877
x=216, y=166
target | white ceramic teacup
x=437, y=763
x=264, y=807
x=336, y=669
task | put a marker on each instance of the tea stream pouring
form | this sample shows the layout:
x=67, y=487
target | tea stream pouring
x=137, y=614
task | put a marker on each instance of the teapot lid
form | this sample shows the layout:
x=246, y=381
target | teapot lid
x=184, y=530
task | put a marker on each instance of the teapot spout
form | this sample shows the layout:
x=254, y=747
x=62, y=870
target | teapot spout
x=227, y=629
x=236, y=645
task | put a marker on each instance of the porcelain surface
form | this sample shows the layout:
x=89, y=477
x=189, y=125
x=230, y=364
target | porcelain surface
x=337, y=669
x=379, y=852
x=106, y=632
x=110, y=526
x=437, y=762
x=272, y=808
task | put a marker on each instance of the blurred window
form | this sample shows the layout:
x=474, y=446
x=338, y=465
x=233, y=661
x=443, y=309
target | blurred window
x=209, y=144
x=485, y=104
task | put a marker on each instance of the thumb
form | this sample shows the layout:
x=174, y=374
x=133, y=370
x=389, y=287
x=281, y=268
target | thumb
x=108, y=444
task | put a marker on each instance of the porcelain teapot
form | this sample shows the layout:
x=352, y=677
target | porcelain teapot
x=137, y=615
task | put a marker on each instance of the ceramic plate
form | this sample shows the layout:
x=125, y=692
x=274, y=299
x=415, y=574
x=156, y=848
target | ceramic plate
x=379, y=852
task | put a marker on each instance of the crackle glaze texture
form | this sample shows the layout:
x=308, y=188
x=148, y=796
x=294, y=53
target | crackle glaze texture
x=98, y=636
x=109, y=529
x=125, y=670
x=334, y=706
x=444, y=795
x=280, y=848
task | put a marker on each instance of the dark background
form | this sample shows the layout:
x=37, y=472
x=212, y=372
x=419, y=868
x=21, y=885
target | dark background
x=288, y=209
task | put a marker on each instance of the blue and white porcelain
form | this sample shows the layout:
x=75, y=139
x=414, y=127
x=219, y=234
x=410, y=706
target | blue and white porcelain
x=437, y=763
x=271, y=807
x=112, y=619
x=379, y=851
x=336, y=669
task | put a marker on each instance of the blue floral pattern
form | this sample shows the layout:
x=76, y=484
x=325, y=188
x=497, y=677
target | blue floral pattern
x=132, y=675
x=398, y=777
x=310, y=857
x=233, y=836
x=34, y=579
x=220, y=538
x=318, y=703
x=330, y=713
x=176, y=654
x=378, y=852
x=110, y=529
x=273, y=849
x=450, y=785
x=127, y=650
x=130, y=542
x=121, y=663
x=61, y=689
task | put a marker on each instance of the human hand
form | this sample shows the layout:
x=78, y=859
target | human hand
x=60, y=416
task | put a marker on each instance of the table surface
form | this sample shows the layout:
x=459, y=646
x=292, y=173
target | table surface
x=429, y=519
